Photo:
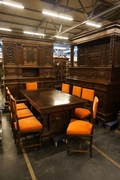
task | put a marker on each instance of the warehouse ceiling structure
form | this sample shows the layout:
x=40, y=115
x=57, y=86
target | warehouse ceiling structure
x=31, y=18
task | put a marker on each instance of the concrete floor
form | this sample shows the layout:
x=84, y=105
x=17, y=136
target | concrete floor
x=53, y=163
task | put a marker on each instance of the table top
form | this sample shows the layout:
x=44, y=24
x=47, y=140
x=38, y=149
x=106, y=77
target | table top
x=51, y=100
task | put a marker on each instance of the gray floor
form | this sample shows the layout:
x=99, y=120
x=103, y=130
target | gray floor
x=53, y=163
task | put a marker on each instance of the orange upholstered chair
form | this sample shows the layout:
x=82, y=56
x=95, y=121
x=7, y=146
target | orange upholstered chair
x=76, y=91
x=22, y=113
x=27, y=127
x=23, y=124
x=31, y=86
x=65, y=88
x=9, y=103
x=82, y=130
x=86, y=111
x=19, y=106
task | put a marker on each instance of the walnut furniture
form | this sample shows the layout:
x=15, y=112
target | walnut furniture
x=98, y=68
x=55, y=107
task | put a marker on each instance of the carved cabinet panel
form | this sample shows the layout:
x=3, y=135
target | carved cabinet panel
x=27, y=61
x=59, y=121
x=98, y=68
x=10, y=53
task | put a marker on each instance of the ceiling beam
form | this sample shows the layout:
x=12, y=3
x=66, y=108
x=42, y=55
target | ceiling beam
x=92, y=18
x=83, y=9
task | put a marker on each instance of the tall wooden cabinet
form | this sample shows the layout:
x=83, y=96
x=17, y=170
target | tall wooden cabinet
x=98, y=68
x=61, y=70
x=27, y=61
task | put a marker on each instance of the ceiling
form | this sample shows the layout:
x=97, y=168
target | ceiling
x=31, y=18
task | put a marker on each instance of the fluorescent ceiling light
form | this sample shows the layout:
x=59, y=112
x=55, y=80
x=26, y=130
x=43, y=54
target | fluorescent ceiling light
x=93, y=24
x=61, y=37
x=32, y=33
x=61, y=48
x=10, y=3
x=5, y=29
x=54, y=14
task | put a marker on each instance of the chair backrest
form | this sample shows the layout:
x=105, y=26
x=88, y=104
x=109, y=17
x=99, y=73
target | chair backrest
x=31, y=86
x=13, y=106
x=95, y=106
x=7, y=93
x=8, y=97
x=88, y=94
x=65, y=87
x=14, y=112
x=7, y=89
x=76, y=91
x=9, y=102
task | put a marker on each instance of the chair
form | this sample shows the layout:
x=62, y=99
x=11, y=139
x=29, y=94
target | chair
x=76, y=91
x=19, y=106
x=22, y=113
x=82, y=130
x=24, y=128
x=31, y=86
x=86, y=111
x=9, y=103
x=65, y=88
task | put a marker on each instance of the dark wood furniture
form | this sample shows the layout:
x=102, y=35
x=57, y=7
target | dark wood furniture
x=56, y=108
x=27, y=61
x=98, y=68
x=61, y=70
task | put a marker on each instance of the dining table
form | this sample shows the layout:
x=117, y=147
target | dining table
x=55, y=107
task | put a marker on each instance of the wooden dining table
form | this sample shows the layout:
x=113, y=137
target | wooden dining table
x=55, y=107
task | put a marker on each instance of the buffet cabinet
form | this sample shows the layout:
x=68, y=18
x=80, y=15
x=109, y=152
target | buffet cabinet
x=98, y=68
x=27, y=61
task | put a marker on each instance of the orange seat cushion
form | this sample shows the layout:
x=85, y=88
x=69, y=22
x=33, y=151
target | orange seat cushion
x=28, y=124
x=24, y=113
x=82, y=112
x=21, y=106
x=79, y=127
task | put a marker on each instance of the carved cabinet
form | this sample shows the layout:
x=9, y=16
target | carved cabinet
x=26, y=61
x=98, y=68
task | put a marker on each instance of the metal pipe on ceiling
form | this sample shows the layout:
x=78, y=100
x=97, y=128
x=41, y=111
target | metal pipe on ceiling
x=92, y=18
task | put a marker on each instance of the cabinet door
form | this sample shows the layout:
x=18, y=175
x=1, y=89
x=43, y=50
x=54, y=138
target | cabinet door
x=60, y=71
x=59, y=122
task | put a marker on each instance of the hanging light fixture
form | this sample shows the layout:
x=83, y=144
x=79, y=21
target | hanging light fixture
x=93, y=24
x=5, y=29
x=61, y=37
x=10, y=3
x=55, y=14
x=33, y=33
